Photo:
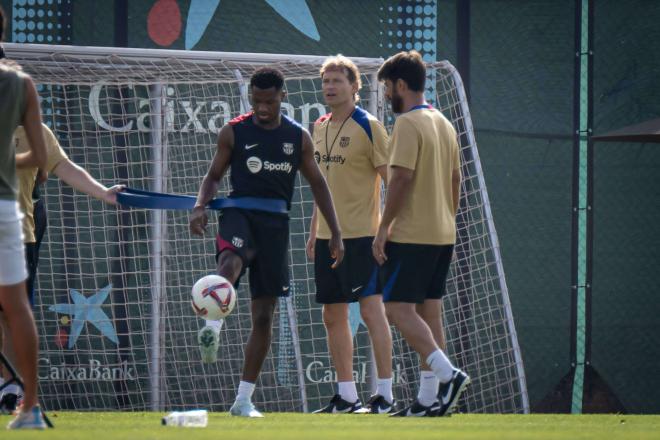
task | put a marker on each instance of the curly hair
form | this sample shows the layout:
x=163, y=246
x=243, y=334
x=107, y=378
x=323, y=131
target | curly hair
x=267, y=77
x=408, y=66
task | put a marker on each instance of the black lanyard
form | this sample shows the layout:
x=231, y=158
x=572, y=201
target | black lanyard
x=329, y=152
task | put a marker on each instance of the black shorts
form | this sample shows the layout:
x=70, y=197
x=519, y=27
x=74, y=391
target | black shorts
x=261, y=239
x=354, y=278
x=32, y=249
x=415, y=272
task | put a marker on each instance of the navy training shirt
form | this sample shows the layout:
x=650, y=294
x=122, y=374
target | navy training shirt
x=264, y=162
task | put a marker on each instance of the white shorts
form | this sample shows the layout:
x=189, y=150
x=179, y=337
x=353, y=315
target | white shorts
x=12, y=250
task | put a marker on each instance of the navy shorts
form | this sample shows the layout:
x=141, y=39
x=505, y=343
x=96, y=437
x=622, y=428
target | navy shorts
x=414, y=273
x=32, y=249
x=354, y=278
x=261, y=239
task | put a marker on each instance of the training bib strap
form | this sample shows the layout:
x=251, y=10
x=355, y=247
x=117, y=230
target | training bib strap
x=138, y=198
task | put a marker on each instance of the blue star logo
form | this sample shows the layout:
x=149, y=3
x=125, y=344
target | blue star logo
x=87, y=309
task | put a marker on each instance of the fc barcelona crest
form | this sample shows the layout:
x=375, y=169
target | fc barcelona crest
x=288, y=148
x=344, y=141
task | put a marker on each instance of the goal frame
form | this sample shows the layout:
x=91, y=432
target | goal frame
x=37, y=52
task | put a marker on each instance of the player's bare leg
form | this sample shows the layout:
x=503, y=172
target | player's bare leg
x=340, y=345
x=420, y=337
x=229, y=266
x=413, y=328
x=11, y=393
x=6, y=345
x=258, y=344
x=23, y=332
x=431, y=313
x=372, y=310
x=256, y=349
x=340, y=341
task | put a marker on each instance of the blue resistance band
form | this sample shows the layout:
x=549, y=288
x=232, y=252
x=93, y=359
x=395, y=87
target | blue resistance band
x=138, y=198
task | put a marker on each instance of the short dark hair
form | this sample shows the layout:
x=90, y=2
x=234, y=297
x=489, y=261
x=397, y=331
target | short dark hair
x=267, y=77
x=2, y=24
x=408, y=66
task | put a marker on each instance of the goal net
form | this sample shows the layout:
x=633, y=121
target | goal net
x=113, y=294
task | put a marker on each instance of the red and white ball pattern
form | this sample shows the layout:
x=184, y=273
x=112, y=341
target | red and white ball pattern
x=213, y=297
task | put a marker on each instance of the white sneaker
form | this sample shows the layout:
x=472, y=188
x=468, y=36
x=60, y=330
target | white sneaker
x=244, y=408
x=33, y=419
x=208, y=341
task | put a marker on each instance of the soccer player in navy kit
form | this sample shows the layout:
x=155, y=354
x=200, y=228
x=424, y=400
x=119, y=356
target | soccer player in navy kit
x=264, y=150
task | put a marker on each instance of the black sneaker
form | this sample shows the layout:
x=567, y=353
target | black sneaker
x=339, y=405
x=450, y=392
x=377, y=405
x=418, y=410
x=8, y=403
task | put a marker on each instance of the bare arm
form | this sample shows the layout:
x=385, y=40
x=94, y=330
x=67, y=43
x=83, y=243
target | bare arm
x=456, y=188
x=382, y=171
x=322, y=197
x=209, y=186
x=78, y=178
x=313, y=227
x=42, y=176
x=398, y=189
x=31, y=121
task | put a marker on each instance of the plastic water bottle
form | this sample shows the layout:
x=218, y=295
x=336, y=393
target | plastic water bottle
x=189, y=419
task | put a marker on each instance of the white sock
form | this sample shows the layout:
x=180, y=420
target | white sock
x=215, y=325
x=347, y=391
x=245, y=390
x=428, y=388
x=384, y=388
x=440, y=365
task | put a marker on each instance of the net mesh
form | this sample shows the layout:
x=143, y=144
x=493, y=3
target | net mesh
x=151, y=121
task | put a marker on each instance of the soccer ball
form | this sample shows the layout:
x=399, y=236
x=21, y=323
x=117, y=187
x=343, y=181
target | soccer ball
x=213, y=297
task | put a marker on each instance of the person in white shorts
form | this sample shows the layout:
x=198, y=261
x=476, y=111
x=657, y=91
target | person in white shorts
x=66, y=170
x=19, y=106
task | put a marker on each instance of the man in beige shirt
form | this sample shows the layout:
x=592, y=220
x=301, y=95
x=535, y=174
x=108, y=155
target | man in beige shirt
x=417, y=232
x=66, y=170
x=350, y=146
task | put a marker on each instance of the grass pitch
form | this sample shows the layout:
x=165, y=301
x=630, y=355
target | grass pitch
x=288, y=426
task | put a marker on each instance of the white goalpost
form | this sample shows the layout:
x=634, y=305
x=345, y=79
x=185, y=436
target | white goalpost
x=149, y=119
